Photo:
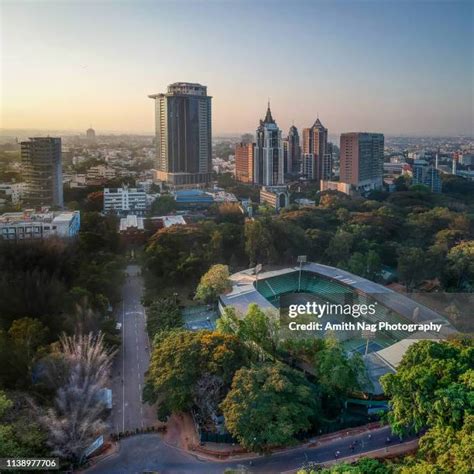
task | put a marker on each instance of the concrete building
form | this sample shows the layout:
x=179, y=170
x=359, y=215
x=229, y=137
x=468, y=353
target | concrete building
x=361, y=160
x=183, y=134
x=276, y=197
x=12, y=192
x=29, y=224
x=244, y=162
x=101, y=172
x=42, y=171
x=125, y=200
x=427, y=175
x=326, y=185
x=268, y=160
x=315, y=142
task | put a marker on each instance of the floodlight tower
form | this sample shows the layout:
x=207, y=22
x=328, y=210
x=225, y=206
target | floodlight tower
x=301, y=259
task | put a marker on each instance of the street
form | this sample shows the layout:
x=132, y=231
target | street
x=128, y=412
x=144, y=453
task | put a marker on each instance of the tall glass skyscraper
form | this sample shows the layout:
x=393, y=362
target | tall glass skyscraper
x=268, y=158
x=183, y=134
x=42, y=171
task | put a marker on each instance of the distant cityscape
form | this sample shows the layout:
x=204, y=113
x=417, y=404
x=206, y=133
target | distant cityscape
x=184, y=155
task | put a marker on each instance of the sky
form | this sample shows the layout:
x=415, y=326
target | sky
x=397, y=67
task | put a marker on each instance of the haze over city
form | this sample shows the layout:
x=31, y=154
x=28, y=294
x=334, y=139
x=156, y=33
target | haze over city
x=396, y=68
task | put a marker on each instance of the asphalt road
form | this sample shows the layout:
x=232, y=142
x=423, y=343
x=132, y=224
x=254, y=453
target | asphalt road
x=128, y=411
x=148, y=453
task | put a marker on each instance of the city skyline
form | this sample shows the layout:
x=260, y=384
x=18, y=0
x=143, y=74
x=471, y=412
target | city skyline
x=391, y=67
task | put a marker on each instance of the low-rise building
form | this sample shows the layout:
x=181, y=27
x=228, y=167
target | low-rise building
x=124, y=201
x=345, y=188
x=276, y=197
x=30, y=224
x=428, y=175
x=12, y=192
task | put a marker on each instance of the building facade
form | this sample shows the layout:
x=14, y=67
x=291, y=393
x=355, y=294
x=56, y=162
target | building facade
x=315, y=142
x=361, y=160
x=294, y=150
x=42, y=171
x=12, y=192
x=244, y=162
x=123, y=201
x=268, y=159
x=427, y=175
x=29, y=224
x=183, y=134
x=276, y=197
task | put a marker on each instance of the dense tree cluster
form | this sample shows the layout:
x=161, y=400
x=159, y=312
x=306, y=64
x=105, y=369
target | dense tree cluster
x=48, y=288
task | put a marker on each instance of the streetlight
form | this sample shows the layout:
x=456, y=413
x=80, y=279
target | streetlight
x=258, y=269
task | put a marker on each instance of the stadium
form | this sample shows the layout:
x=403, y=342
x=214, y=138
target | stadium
x=382, y=350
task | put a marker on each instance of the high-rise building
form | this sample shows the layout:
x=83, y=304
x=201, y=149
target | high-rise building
x=268, y=161
x=42, y=171
x=361, y=160
x=183, y=134
x=90, y=134
x=294, y=150
x=315, y=142
x=244, y=162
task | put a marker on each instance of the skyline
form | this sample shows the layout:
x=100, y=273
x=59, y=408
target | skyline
x=398, y=77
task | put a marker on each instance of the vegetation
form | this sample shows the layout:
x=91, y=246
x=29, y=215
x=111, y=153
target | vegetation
x=77, y=370
x=213, y=283
x=182, y=362
x=434, y=388
x=269, y=405
x=163, y=314
x=53, y=292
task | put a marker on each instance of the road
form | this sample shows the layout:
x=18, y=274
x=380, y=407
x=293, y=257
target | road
x=128, y=411
x=148, y=453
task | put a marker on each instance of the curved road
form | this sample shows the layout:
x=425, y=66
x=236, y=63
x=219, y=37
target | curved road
x=145, y=453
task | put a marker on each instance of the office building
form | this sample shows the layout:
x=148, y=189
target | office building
x=427, y=175
x=183, y=135
x=29, y=224
x=268, y=160
x=42, y=171
x=123, y=201
x=244, y=162
x=294, y=151
x=315, y=142
x=361, y=160
x=90, y=134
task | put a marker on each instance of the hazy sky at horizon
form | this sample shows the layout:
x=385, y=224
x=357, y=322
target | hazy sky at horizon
x=389, y=66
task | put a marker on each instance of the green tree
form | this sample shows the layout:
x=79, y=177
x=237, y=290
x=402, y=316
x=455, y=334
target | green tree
x=163, y=314
x=461, y=264
x=433, y=386
x=337, y=373
x=258, y=242
x=213, y=283
x=163, y=205
x=269, y=405
x=412, y=266
x=181, y=359
x=26, y=335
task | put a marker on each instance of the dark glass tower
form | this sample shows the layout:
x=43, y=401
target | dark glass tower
x=183, y=134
